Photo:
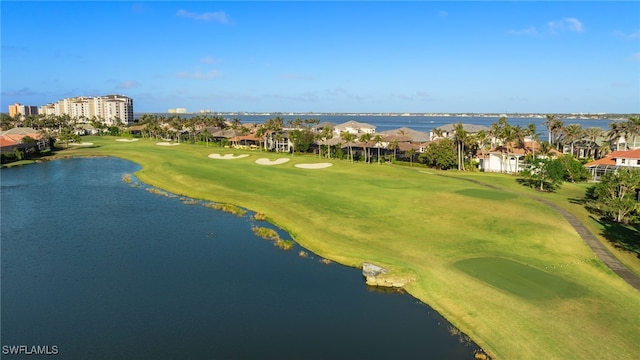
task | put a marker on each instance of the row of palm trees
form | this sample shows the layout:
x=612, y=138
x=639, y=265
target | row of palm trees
x=596, y=142
x=561, y=135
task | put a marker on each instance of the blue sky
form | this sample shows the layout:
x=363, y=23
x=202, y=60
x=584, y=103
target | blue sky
x=543, y=57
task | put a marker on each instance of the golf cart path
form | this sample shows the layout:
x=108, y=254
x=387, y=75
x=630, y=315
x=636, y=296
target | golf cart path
x=600, y=250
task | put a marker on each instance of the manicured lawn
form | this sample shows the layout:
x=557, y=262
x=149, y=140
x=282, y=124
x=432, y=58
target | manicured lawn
x=519, y=279
x=508, y=271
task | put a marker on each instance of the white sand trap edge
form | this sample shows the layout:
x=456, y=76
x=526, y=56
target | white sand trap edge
x=227, y=156
x=127, y=140
x=167, y=144
x=313, y=166
x=265, y=161
x=81, y=144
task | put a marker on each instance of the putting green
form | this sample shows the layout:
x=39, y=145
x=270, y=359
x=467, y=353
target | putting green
x=519, y=279
x=486, y=194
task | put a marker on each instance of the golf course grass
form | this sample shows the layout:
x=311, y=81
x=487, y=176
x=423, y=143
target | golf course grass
x=505, y=269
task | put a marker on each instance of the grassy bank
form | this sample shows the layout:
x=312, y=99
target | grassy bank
x=503, y=268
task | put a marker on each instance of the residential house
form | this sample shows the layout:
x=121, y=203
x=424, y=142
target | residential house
x=509, y=159
x=13, y=139
x=354, y=127
x=614, y=161
x=448, y=130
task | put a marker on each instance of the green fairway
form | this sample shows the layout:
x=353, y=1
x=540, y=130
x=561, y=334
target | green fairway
x=505, y=269
x=522, y=280
x=490, y=194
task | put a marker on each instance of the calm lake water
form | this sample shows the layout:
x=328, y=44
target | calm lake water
x=106, y=270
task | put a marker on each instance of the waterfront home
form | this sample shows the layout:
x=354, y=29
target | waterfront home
x=354, y=127
x=614, y=161
x=325, y=124
x=414, y=136
x=249, y=141
x=510, y=159
x=448, y=131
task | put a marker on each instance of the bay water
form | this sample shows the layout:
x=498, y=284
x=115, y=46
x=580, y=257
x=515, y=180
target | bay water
x=102, y=269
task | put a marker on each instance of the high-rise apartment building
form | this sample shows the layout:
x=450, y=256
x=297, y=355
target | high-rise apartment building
x=110, y=109
x=23, y=110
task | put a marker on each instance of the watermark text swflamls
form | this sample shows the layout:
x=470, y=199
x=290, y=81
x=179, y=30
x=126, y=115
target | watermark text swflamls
x=30, y=350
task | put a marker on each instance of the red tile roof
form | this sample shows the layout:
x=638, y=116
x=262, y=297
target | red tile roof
x=603, y=161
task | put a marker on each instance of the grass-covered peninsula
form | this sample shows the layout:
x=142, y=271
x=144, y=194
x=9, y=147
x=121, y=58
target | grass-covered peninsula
x=505, y=269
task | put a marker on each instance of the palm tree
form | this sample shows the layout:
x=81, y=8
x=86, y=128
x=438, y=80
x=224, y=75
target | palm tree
x=483, y=140
x=364, y=139
x=348, y=137
x=573, y=133
x=438, y=133
x=549, y=123
x=632, y=127
x=554, y=127
x=604, y=149
x=326, y=135
x=460, y=138
x=236, y=123
x=411, y=152
x=592, y=134
x=532, y=133
x=244, y=131
x=378, y=140
x=394, y=145
x=205, y=134
x=615, y=132
x=545, y=149
x=260, y=134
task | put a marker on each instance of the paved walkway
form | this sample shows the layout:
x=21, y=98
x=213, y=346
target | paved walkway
x=600, y=250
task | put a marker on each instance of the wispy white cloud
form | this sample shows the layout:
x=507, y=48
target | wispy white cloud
x=199, y=75
x=528, y=31
x=127, y=84
x=566, y=24
x=210, y=60
x=217, y=16
x=633, y=35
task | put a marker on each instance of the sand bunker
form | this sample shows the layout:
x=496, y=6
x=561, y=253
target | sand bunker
x=265, y=161
x=313, y=166
x=167, y=144
x=127, y=140
x=227, y=156
x=81, y=144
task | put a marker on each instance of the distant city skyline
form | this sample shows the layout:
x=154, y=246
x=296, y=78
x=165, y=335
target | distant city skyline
x=326, y=57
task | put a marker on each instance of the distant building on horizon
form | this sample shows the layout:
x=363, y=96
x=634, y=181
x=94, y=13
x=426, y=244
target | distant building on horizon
x=109, y=109
x=23, y=110
x=177, y=111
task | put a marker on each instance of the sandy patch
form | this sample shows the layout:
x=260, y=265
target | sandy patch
x=127, y=140
x=313, y=166
x=227, y=156
x=265, y=161
x=81, y=144
x=167, y=144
